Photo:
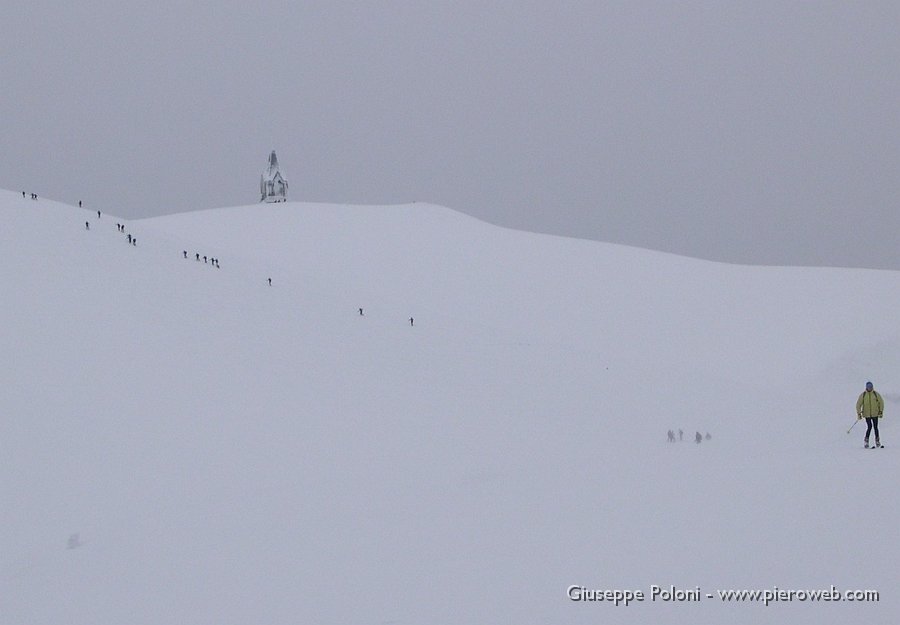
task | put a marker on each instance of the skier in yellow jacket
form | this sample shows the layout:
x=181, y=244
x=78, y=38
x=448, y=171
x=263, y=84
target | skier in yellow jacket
x=870, y=406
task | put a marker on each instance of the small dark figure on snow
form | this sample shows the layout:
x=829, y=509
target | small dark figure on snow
x=671, y=436
x=870, y=406
x=204, y=259
x=410, y=321
x=79, y=203
x=360, y=312
x=185, y=253
x=707, y=437
x=698, y=438
x=87, y=226
x=680, y=434
x=197, y=256
x=98, y=212
x=270, y=281
x=129, y=238
x=23, y=195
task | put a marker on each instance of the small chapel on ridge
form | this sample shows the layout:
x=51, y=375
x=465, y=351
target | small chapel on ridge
x=272, y=186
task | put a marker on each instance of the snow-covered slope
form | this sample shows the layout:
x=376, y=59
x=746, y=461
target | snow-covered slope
x=232, y=452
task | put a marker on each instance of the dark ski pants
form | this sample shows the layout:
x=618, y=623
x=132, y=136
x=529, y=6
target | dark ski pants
x=872, y=421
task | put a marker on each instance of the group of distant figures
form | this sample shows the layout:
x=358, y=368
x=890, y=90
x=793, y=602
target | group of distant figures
x=132, y=240
x=412, y=321
x=210, y=261
x=698, y=437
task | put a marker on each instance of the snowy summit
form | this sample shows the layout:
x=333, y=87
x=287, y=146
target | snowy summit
x=183, y=441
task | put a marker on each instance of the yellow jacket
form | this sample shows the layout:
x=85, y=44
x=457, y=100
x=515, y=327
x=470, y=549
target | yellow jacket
x=870, y=404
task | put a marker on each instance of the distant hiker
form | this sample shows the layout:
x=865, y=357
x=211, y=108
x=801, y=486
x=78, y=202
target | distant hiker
x=270, y=281
x=79, y=203
x=698, y=439
x=410, y=321
x=129, y=238
x=23, y=195
x=680, y=434
x=98, y=212
x=134, y=241
x=707, y=437
x=197, y=256
x=185, y=253
x=87, y=226
x=204, y=259
x=671, y=436
x=360, y=312
x=870, y=406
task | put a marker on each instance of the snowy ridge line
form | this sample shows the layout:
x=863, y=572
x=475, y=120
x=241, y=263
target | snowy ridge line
x=234, y=453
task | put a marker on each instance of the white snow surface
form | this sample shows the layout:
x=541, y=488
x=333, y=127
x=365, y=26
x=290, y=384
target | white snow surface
x=225, y=451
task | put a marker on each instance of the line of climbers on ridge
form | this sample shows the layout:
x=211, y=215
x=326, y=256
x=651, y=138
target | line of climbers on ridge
x=206, y=259
x=132, y=240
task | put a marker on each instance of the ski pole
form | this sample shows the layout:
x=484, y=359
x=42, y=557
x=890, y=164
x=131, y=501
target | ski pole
x=854, y=424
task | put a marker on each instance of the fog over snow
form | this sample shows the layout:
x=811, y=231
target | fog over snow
x=184, y=443
x=756, y=131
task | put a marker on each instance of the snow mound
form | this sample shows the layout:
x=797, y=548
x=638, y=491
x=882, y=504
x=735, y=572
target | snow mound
x=224, y=451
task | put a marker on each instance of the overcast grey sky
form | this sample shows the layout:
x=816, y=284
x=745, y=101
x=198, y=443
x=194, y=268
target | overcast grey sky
x=763, y=131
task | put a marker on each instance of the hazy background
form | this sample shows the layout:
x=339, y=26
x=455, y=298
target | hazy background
x=764, y=132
